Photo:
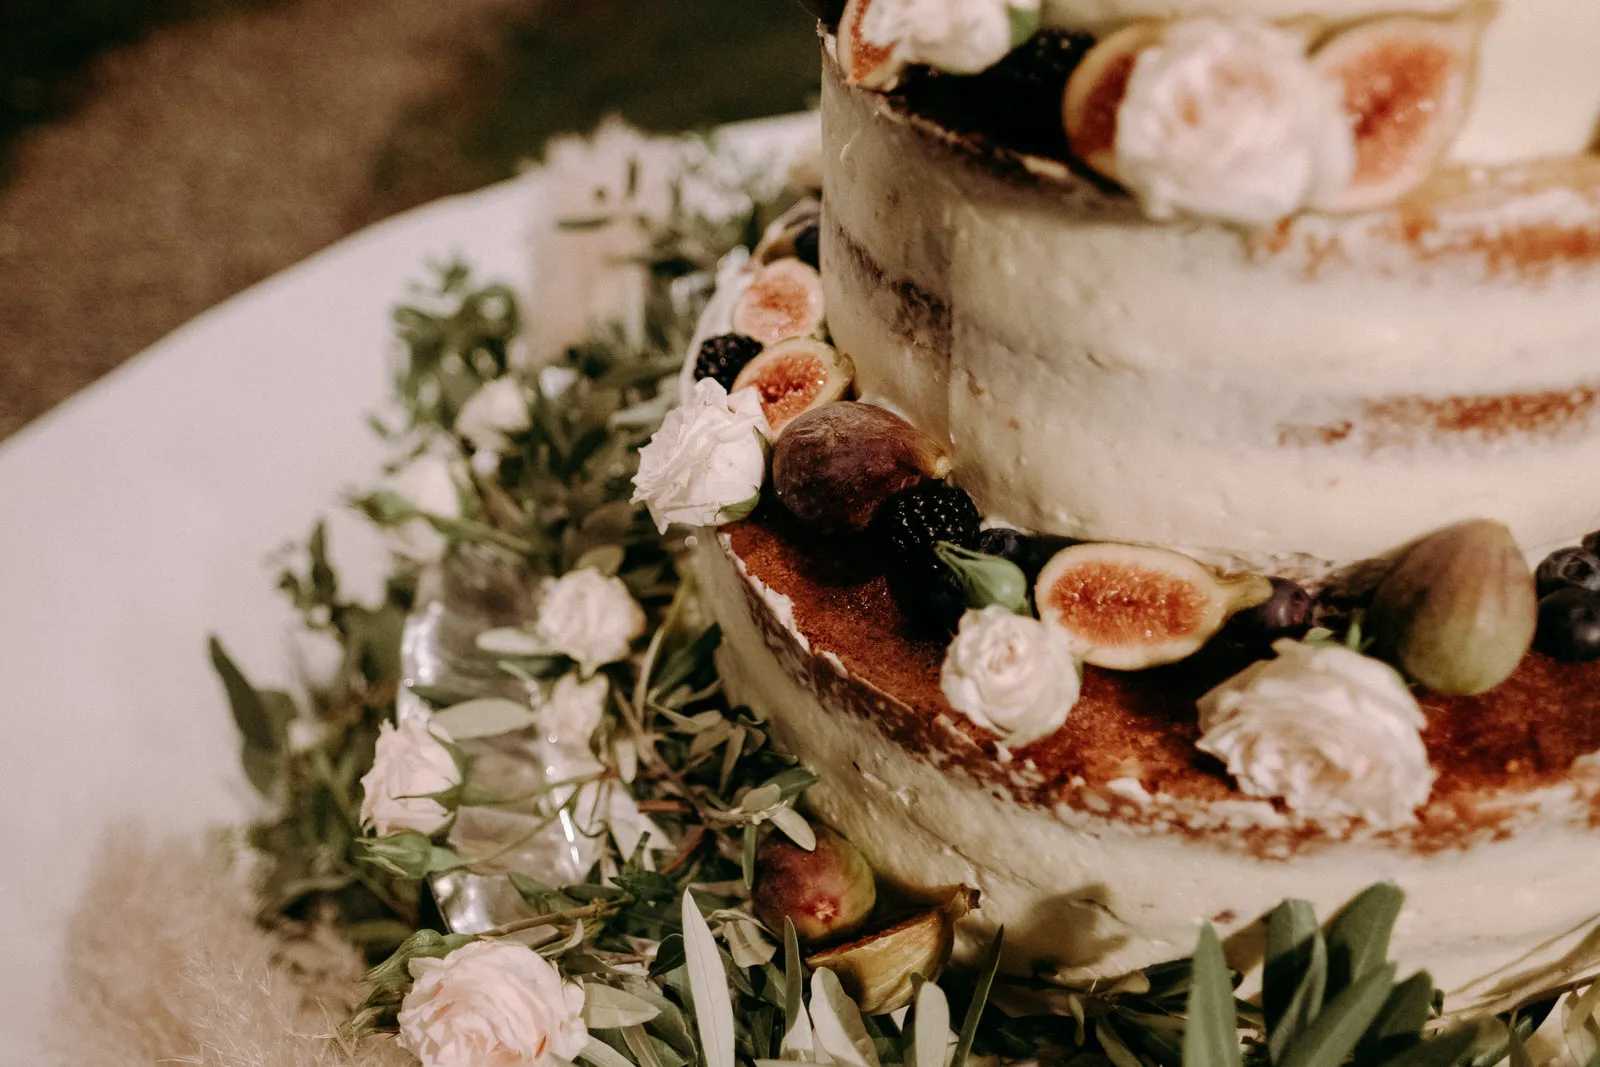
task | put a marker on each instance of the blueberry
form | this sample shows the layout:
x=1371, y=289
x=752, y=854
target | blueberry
x=1569, y=567
x=1286, y=613
x=807, y=246
x=1006, y=543
x=1569, y=625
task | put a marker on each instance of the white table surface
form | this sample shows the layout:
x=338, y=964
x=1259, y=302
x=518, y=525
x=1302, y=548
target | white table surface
x=142, y=515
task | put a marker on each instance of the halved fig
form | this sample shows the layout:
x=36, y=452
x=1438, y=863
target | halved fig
x=1128, y=607
x=879, y=971
x=835, y=465
x=795, y=376
x=1405, y=83
x=1095, y=91
x=865, y=62
x=784, y=300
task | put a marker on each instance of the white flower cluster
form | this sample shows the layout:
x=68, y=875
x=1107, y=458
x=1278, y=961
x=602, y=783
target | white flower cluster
x=408, y=767
x=428, y=483
x=493, y=1003
x=1334, y=733
x=1227, y=120
x=958, y=36
x=1011, y=674
x=706, y=464
x=590, y=617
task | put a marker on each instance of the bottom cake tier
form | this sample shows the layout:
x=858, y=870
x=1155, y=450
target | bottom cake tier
x=1103, y=847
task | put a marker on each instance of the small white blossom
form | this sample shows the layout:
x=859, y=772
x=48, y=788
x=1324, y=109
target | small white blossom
x=707, y=462
x=410, y=763
x=428, y=484
x=1011, y=674
x=590, y=617
x=555, y=380
x=318, y=657
x=574, y=709
x=1227, y=120
x=492, y=414
x=959, y=36
x=1334, y=733
x=491, y=1004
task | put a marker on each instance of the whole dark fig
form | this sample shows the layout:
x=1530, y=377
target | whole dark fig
x=827, y=893
x=835, y=465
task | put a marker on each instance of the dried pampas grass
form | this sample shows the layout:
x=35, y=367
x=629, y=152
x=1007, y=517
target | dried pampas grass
x=165, y=964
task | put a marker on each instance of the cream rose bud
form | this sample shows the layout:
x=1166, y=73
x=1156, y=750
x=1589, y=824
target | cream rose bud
x=410, y=763
x=1334, y=733
x=590, y=617
x=708, y=460
x=491, y=1004
x=1011, y=674
x=1227, y=120
x=491, y=415
x=959, y=36
x=428, y=484
x=574, y=709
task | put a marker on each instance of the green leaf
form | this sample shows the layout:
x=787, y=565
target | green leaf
x=395, y=972
x=1291, y=928
x=741, y=510
x=1444, y=1050
x=930, y=1027
x=794, y=827
x=985, y=580
x=1333, y=1034
x=837, y=1024
x=323, y=581
x=261, y=767
x=747, y=855
x=1211, y=1038
x=608, y=1008
x=685, y=662
x=793, y=976
x=792, y=782
x=1024, y=22
x=485, y=717
x=1306, y=1002
x=708, y=986
x=1358, y=936
x=643, y=1049
x=262, y=717
x=988, y=966
x=647, y=886
x=1400, y=1021
x=1112, y=1044
x=601, y=1054
x=670, y=955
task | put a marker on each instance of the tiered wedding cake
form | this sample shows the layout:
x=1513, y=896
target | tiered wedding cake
x=1280, y=310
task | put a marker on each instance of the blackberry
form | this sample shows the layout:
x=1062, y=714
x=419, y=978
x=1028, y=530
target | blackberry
x=908, y=526
x=807, y=246
x=1043, y=63
x=1569, y=567
x=912, y=521
x=722, y=357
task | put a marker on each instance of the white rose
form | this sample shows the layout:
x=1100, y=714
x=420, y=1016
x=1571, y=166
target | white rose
x=574, y=709
x=409, y=764
x=959, y=36
x=427, y=484
x=590, y=617
x=1227, y=120
x=707, y=461
x=1334, y=733
x=492, y=414
x=1011, y=674
x=491, y=1004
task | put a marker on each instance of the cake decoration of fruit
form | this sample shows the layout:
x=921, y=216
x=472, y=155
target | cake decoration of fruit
x=1125, y=519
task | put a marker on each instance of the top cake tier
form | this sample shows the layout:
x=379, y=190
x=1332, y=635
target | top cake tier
x=1290, y=389
x=1537, y=90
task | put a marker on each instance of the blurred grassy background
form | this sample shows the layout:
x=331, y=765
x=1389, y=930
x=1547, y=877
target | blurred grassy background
x=664, y=64
x=157, y=156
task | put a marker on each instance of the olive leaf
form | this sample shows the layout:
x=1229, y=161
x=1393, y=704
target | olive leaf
x=601, y=1054
x=1329, y=1038
x=930, y=1026
x=988, y=966
x=608, y=1008
x=1358, y=935
x=837, y=1024
x=708, y=985
x=1211, y=1037
x=485, y=717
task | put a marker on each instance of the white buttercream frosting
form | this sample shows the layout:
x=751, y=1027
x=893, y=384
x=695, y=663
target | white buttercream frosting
x=1334, y=733
x=1011, y=674
x=1227, y=120
x=707, y=460
x=960, y=36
